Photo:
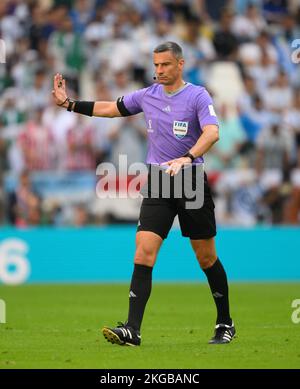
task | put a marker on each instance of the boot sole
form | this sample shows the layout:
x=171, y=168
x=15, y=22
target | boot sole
x=113, y=338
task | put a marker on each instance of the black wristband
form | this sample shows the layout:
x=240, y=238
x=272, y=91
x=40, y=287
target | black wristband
x=188, y=154
x=84, y=107
x=71, y=102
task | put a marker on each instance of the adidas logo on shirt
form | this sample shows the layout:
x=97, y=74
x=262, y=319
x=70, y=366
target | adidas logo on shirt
x=167, y=109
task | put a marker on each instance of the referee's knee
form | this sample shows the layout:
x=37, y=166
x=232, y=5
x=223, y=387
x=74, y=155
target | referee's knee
x=206, y=260
x=146, y=257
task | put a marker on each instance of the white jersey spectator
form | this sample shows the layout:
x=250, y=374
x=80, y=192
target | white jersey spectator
x=249, y=24
x=279, y=96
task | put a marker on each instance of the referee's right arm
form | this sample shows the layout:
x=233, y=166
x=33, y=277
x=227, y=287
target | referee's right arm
x=107, y=109
x=90, y=108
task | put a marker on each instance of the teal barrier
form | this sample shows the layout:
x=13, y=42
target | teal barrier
x=105, y=254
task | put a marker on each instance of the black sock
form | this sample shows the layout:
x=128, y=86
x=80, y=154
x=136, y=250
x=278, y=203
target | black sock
x=140, y=289
x=217, y=280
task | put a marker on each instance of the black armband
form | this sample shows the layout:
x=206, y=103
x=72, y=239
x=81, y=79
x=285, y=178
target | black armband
x=121, y=107
x=84, y=107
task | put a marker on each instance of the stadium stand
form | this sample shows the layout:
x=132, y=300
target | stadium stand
x=243, y=51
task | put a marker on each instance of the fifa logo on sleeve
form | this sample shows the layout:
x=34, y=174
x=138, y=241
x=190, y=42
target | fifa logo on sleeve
x=296, y=313
x=295, y=57
x=2, y=312
x=2, y=51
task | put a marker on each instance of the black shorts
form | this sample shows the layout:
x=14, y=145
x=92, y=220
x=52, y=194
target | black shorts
x=157, y=215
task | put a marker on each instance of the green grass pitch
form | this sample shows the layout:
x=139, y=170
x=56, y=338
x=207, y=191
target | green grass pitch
x=58, y=326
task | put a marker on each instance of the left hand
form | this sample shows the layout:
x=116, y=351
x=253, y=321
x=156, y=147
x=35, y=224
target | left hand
x=176, y=164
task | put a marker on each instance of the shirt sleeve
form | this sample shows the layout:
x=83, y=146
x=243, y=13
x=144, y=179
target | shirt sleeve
x=205, y=109
x=131, y=104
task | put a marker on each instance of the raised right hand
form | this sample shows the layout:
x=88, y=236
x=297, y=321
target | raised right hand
x=59, y=92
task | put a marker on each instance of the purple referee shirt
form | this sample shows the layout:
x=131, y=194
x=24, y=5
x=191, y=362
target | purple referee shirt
x=174, y=121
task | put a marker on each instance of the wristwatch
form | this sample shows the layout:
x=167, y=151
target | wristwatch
x=188, y=154
x=70, y=106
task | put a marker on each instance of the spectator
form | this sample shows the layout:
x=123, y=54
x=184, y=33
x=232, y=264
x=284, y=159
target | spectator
x=129, y=139
x=198, y=51
x=214, y=9
x=66, y=49
x=273, y=149
x=291, y=119
x=225, y=42
x=81, y=14
x=140, y=35
x=274, y=199
x=250, y=53
x=122, y=85
x=226, y=152
x=242, y=5
x=255, y=119
x=59, y=122
x=117, y=51
x=37, y=144
x=23, y=70
x=247, y=97
x=158, y=11
x=37, y=25
x=3, y=152
x=292, y=207
x=81, y=216
x=275, y=10
x=38, y=95
x=24, y=205
x=278, y=97
x=265, y=73
x=105, y=128
x=283, y=39
x=248, y=25
x=12, y=114
x=80, y=147
x=95, y=35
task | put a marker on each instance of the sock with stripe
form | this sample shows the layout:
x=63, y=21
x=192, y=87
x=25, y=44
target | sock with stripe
x=217, y=280
x=140, y=290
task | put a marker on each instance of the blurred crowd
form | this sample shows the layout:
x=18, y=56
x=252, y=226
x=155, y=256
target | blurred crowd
x=244, y=52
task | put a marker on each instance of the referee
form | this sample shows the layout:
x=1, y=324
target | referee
x=182, y=126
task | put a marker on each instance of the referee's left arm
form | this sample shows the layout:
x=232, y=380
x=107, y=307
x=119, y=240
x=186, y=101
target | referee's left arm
x=209, y=136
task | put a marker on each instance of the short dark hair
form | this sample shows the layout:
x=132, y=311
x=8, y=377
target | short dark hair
x=175, y=49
